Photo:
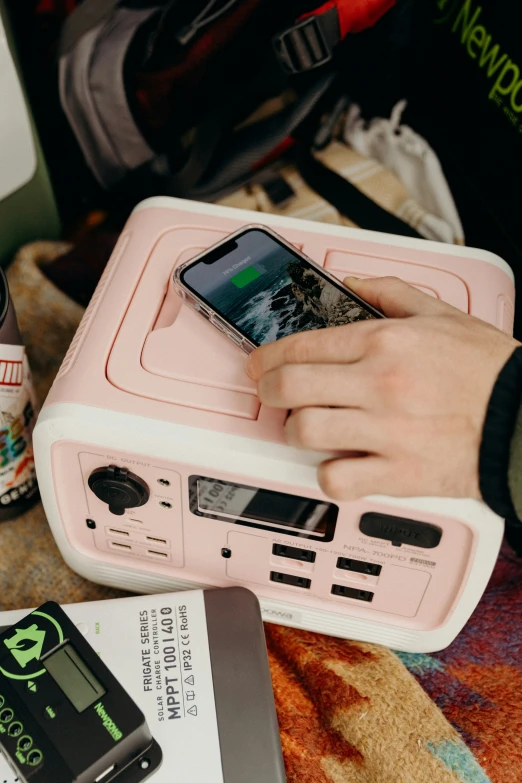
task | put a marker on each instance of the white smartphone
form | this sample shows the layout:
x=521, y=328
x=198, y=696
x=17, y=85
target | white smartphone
x=256, y=288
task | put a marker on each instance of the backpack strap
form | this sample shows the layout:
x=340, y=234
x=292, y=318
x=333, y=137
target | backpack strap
x=239, y=158
x=94, y=44
x=310, y=42
x=347, y=199
x=85, y=17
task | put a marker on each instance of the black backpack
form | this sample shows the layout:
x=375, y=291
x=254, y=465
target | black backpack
x=162, y=96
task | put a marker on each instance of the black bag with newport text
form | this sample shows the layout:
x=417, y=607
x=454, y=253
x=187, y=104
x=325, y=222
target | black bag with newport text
x=464, y=77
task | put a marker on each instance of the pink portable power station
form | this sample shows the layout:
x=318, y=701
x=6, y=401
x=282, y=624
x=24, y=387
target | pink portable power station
x=160, y=470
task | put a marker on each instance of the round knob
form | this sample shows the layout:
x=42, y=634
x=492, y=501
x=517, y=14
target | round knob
x=119, y=488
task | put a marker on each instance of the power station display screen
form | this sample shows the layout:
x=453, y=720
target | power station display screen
x=73, y=677
x=263, y=508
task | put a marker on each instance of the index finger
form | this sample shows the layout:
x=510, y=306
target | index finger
x=332, y=345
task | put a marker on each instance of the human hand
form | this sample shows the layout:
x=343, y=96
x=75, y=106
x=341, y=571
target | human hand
x=400, y=401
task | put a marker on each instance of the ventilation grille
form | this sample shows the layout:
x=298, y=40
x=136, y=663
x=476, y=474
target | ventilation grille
x=334, y=624
x=88, y=316
x=138, y=582
x=508, y=317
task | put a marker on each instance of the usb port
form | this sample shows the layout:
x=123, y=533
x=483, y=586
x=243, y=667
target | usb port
x=157, y=554
x=118, y=532
x=352, y=592
x=157, y=540
x=360, y=566
x=294, y=553
x=288, y=579
x=104, y=774
x=117, y=545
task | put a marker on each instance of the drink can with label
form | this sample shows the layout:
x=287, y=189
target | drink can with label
x=18, y=486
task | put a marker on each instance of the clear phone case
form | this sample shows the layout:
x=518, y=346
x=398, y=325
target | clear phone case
x=215, y=318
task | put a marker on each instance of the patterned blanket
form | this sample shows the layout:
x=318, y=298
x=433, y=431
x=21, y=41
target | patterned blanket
x=348, y=712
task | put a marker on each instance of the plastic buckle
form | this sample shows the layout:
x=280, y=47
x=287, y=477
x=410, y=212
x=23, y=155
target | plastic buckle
x=302, y=47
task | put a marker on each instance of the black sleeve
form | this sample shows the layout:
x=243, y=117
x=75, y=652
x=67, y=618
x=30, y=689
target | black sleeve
x=498, y=457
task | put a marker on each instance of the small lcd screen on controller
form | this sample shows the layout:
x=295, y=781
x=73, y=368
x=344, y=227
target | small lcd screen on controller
x=73, y=677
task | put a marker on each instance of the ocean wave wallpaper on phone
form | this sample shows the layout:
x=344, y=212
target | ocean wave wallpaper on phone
x=268, y=293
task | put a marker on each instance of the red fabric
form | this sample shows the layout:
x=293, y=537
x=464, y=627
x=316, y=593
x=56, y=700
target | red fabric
x=276, y=153
x=154, y=89
x=60, y=8
x=355, y=15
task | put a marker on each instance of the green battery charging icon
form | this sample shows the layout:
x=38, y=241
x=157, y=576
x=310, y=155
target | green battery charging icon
x=246, y=276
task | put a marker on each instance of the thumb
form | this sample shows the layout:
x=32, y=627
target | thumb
x=395, y=298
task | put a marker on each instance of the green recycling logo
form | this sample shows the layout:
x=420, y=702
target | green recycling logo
x=26, y=655
x=26, y=646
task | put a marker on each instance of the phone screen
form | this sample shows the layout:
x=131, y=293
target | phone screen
x=267, y=292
